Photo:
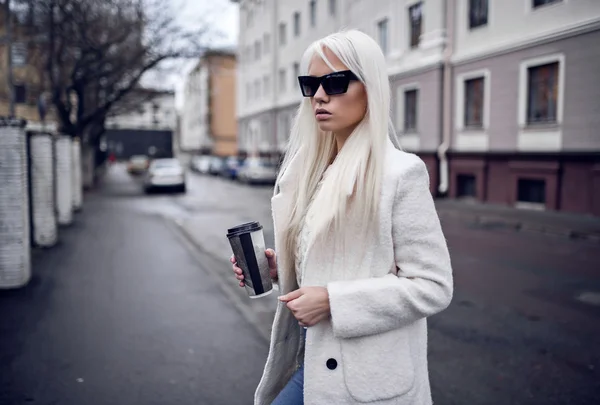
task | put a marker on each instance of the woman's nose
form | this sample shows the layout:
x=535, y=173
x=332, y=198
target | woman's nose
x=321, y=96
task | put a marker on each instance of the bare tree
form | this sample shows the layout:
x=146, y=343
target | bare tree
x=93, y=53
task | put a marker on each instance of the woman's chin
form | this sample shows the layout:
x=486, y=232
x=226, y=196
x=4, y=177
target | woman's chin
x=326, y=127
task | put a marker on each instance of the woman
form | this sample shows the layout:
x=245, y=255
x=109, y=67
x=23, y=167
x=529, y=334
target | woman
x=362, y=261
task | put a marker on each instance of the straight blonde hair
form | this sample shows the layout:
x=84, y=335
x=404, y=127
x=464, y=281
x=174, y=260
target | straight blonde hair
x=352, y=185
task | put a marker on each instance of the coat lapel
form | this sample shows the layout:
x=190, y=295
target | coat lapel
x=281, y=206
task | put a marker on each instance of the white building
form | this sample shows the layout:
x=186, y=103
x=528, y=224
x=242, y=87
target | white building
x=497, y=97
x=208, y=117
x=157, y=112
x=194, y=134
x=273, y=35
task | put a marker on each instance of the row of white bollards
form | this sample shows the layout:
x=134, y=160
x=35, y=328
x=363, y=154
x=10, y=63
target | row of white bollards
x=40, y=188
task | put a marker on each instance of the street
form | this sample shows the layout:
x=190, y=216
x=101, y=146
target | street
x=138, y=305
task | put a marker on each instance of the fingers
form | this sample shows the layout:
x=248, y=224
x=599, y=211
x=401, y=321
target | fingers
x=238, y=272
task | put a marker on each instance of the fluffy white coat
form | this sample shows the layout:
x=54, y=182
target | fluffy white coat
x=381, y=291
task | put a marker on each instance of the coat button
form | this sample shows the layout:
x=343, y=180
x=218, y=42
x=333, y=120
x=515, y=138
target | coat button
x=331, y=364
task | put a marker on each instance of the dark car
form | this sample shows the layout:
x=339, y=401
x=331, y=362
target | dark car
x=231, y=166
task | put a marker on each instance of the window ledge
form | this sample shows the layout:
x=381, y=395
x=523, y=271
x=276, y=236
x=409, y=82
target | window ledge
x=541, y=127
x=475, y=130
x=410, y=132
x=478, y=27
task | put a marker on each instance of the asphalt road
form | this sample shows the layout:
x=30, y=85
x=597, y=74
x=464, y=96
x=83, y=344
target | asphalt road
x=127, y=311
x=122, y=313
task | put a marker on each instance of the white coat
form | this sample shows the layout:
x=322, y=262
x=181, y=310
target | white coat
x=373, y=348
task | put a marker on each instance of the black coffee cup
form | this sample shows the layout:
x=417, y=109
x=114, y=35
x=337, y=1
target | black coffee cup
x=248, y=244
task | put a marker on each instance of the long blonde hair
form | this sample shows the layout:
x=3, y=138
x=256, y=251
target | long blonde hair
x=353, y=183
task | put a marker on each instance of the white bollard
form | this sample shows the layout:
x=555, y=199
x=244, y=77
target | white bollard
x=15, y=245
x=43, y=204
x=64, y=180
x=77, y=185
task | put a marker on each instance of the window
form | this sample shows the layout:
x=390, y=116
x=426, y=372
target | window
x=257, y=88
x=478, y=13
x=266, y=85
x=249, y=17
x=382, y=32
x=20, y=93
x=466, y=185
x=297, y=24
x=332, y=7
x=257, y=50
x=282, y=34
x=266, y=43
x=411, y=100
x=313, y=13
x=296, y=74
x=282, y=86
x=415, y=22
x=540, y=3
x=474, y=102
x=531, y=191
x=542, y=93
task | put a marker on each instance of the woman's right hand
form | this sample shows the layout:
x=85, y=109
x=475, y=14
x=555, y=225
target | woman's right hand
x=271, y=259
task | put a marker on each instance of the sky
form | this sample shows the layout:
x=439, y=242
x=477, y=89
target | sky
x=224, y=13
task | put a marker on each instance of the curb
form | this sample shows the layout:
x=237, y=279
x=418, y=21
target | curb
x=522, y=226
x=234, y=293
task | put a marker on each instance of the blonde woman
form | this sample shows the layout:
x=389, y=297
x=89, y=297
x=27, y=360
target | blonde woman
x=361, y=257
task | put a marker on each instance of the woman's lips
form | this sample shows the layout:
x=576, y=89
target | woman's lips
x=322, y=114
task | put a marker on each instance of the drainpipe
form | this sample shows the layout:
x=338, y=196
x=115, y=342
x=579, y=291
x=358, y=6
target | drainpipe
x=442, y=150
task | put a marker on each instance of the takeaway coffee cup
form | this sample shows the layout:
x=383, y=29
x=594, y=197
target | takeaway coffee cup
x=248, y=245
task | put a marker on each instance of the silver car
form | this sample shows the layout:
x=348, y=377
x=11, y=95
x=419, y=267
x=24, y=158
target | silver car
x=257, y=171
x=165, y=174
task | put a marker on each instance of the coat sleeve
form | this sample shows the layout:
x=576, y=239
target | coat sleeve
x=423, y=285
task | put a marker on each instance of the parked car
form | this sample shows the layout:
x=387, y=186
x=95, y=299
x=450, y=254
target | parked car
x=231, y=166
x=138, y=164
x=201, y=163
x=257, y=171
x=165, y=174
x=216, y=165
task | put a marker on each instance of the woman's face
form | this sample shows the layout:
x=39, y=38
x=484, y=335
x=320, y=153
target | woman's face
x=339, y=113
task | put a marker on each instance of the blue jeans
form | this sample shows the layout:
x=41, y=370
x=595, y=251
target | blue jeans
x=293, y=392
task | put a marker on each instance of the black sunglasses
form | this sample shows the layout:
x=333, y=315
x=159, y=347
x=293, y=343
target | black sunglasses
x=333, y=83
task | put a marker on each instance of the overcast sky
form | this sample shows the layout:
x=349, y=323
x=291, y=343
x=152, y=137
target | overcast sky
x=223, y=13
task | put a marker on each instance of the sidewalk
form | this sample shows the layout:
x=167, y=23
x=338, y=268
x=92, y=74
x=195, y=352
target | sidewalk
x=569, y=225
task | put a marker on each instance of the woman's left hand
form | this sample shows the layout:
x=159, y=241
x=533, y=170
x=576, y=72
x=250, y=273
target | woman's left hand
x=310, y=305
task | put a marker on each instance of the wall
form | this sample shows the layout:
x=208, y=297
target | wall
x=581, y=96
x=513, y=22
x=222, y=105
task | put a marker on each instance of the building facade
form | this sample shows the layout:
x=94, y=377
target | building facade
x=208, y=122
x=526, y=128
x=28, y=87
x=142, y=124
x=498, y=98
x=149, y=110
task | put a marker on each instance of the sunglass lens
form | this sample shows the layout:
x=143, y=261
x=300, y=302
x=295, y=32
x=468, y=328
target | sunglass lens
x=308, y=85
x=335, y=85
